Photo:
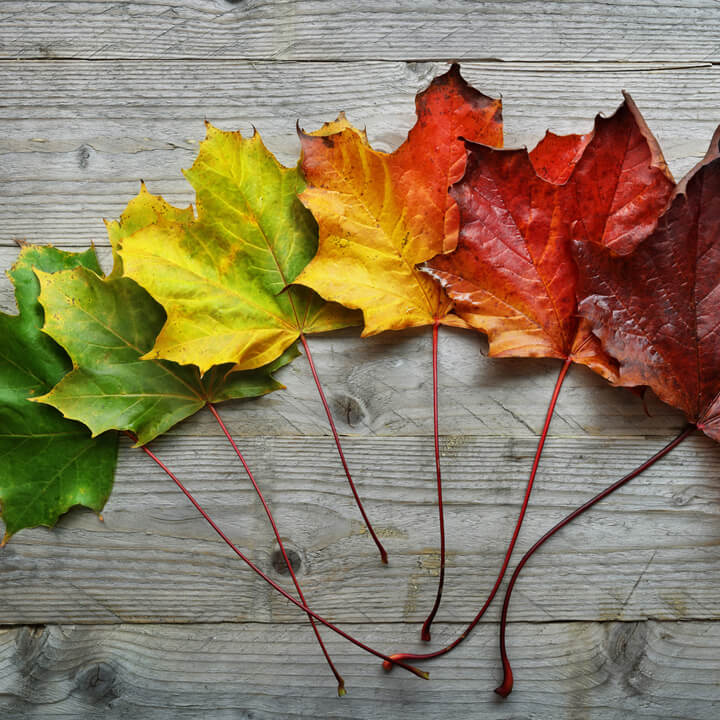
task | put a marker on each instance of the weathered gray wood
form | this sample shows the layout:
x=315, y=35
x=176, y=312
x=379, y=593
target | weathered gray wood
x=568, y=30
x=564, y=671
x=651, y=551
x=78, y=136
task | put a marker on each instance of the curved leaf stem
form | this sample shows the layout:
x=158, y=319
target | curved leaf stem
x=415, y=671
x=338, y=677
x=425, y=632
x=516, y=532
x=505, y=688
x=383, y=552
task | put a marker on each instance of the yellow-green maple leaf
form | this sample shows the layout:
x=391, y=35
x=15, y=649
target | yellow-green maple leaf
x=223, y=277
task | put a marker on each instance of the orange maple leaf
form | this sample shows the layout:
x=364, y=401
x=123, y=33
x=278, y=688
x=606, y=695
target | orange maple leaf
x=380, y=214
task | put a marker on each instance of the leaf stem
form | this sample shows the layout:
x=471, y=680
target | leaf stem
x=425, y=632
x=516, y=533
x=415, y=671
x=383, y=552
x=338, y=677
x=505, y=688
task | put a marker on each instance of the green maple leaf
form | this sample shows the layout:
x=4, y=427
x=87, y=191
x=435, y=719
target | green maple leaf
x=223, y=277
x=106, y=324
x=47, y=464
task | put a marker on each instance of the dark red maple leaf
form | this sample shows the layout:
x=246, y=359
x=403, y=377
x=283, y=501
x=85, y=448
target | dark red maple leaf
x=512, y=274
x=658, y=310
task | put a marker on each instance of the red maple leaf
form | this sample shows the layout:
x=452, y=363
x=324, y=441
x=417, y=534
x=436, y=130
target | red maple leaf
x=512, y=274
x=657, y=310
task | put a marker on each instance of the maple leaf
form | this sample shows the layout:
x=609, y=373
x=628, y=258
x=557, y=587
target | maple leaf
x=49, y=464
x=513, y=275
x=107, y=324
x=223, y=276
x=380, y=213
x=657, y=309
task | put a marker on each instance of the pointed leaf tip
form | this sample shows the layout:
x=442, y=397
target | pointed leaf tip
x=715, y=142
x=712, y=153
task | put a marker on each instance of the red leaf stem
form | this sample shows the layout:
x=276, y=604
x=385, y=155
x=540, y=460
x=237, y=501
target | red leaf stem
x=415, y=671
x=338, y=677
x=516, y=533
x=383, y=552
x=425, y=632
x=505, y=688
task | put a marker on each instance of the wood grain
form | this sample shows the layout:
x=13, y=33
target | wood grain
x=78, y=136
x=565, y=671
x=651, y=551
x=617, y=617
x=571, y=30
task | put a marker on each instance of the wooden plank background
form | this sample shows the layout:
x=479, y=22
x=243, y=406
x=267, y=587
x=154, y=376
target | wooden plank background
x=147, y=615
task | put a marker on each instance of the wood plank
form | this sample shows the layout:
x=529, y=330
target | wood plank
x=651, y=551
x=78, y=136
x=669, y=30
x=225, y=672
